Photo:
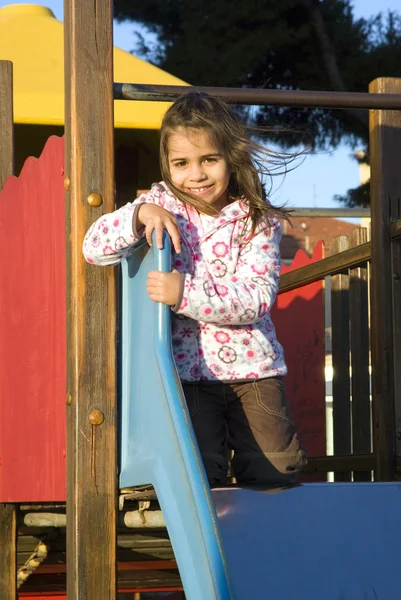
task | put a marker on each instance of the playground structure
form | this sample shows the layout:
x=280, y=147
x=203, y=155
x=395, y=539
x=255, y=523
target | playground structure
x=91, y=397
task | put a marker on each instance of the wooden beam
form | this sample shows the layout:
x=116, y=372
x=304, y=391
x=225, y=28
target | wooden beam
x=385, y=160
x=360, y=345
x=340, y=464
x=8, y=552
x=8, y=520
x=6, y=121
x=139, y=565
x=91, y=307
x=331, y=265
x=340, y=357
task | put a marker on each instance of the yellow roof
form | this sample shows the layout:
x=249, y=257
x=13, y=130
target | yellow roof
x=32, y=38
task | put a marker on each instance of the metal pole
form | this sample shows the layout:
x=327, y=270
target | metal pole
x=314, y=99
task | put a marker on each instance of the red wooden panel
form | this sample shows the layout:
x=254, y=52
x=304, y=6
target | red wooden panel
x=32, y=331
x=299, y=320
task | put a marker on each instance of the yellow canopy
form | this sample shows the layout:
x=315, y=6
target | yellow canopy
x=32, y=38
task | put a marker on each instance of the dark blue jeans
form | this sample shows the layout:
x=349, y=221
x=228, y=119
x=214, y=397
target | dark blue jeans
x=252, y=420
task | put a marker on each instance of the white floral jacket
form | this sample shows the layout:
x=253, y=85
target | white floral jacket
x=222, y=329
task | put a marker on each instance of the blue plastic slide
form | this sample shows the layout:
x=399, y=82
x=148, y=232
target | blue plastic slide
x=307, y=542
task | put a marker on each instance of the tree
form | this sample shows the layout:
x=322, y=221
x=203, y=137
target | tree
x=281, y=44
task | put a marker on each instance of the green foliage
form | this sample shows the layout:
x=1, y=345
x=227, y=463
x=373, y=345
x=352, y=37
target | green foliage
x=272, y=44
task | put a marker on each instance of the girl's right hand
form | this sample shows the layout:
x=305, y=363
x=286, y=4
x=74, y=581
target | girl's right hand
x=158, y=218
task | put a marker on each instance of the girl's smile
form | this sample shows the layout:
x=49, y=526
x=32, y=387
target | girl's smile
x=198, y=167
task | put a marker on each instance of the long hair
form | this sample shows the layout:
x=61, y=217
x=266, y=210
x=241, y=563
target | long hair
x=246, y=158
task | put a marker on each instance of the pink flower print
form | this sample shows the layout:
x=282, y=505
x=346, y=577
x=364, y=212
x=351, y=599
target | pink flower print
x=250, y=355
x=222, y=311
x=216, y=370
x=245, y=249
x=206, y=310
x=222, y=337
x=219, y=268
x=108, y=250
x=235, y=305
x=105, y=230
x=200, y=352
x=178, y=263
x=204, y=328
x=220, y=249
x=227, y=319
x=116, y=222
x=266, y=247
x=222, y=290
x=95, y=240
x=266, y=366
x=195, y=372
x=209, y=289
x=263, y=308
x=227, y=354
x=90, y=260
x=184, y=303
x=259, y=269
x=181, y=357
x=120, y=243
x=244, y=289
x=233, y=374
x=252, y=376
x=246, y=342
x=259, y=280
x=248, y=315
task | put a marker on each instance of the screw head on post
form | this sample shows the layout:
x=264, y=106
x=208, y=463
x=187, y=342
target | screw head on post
x=96, y=417
x=95, y=199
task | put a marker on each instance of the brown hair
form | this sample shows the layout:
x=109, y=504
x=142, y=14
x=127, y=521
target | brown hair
x=246, y=158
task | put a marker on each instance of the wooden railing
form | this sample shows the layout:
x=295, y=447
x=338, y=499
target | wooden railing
x=347, y=275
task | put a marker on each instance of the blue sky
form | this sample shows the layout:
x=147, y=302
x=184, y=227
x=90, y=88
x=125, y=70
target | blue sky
x=319, y=177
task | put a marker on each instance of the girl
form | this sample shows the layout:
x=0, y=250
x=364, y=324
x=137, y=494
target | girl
x=225, y=236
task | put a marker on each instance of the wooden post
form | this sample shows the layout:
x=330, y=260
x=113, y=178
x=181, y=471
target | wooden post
x=8, y=519
x=8, y=553
x=359, y=328
x=340, y=360
x=385, y=160
x=6, y=121
x=91, y=372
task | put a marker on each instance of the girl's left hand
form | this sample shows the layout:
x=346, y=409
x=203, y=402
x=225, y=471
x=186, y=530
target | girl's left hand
x=164, y=287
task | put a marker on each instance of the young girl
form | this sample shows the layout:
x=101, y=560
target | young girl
x=226, y=260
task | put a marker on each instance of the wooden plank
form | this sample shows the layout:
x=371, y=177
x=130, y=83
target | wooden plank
x=344, y=464
x=359, y=336
x=8, y=552
x=396, y=282
x=140, y=565
x=8, y=521
x=395, y=230
x=385, y=157
x=340, y=358
x=91, y=307
x=6, y=121
x=327, y=266
x=32, y=331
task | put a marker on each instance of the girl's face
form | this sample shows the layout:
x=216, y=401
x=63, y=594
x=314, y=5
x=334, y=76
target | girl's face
x=198, y=167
